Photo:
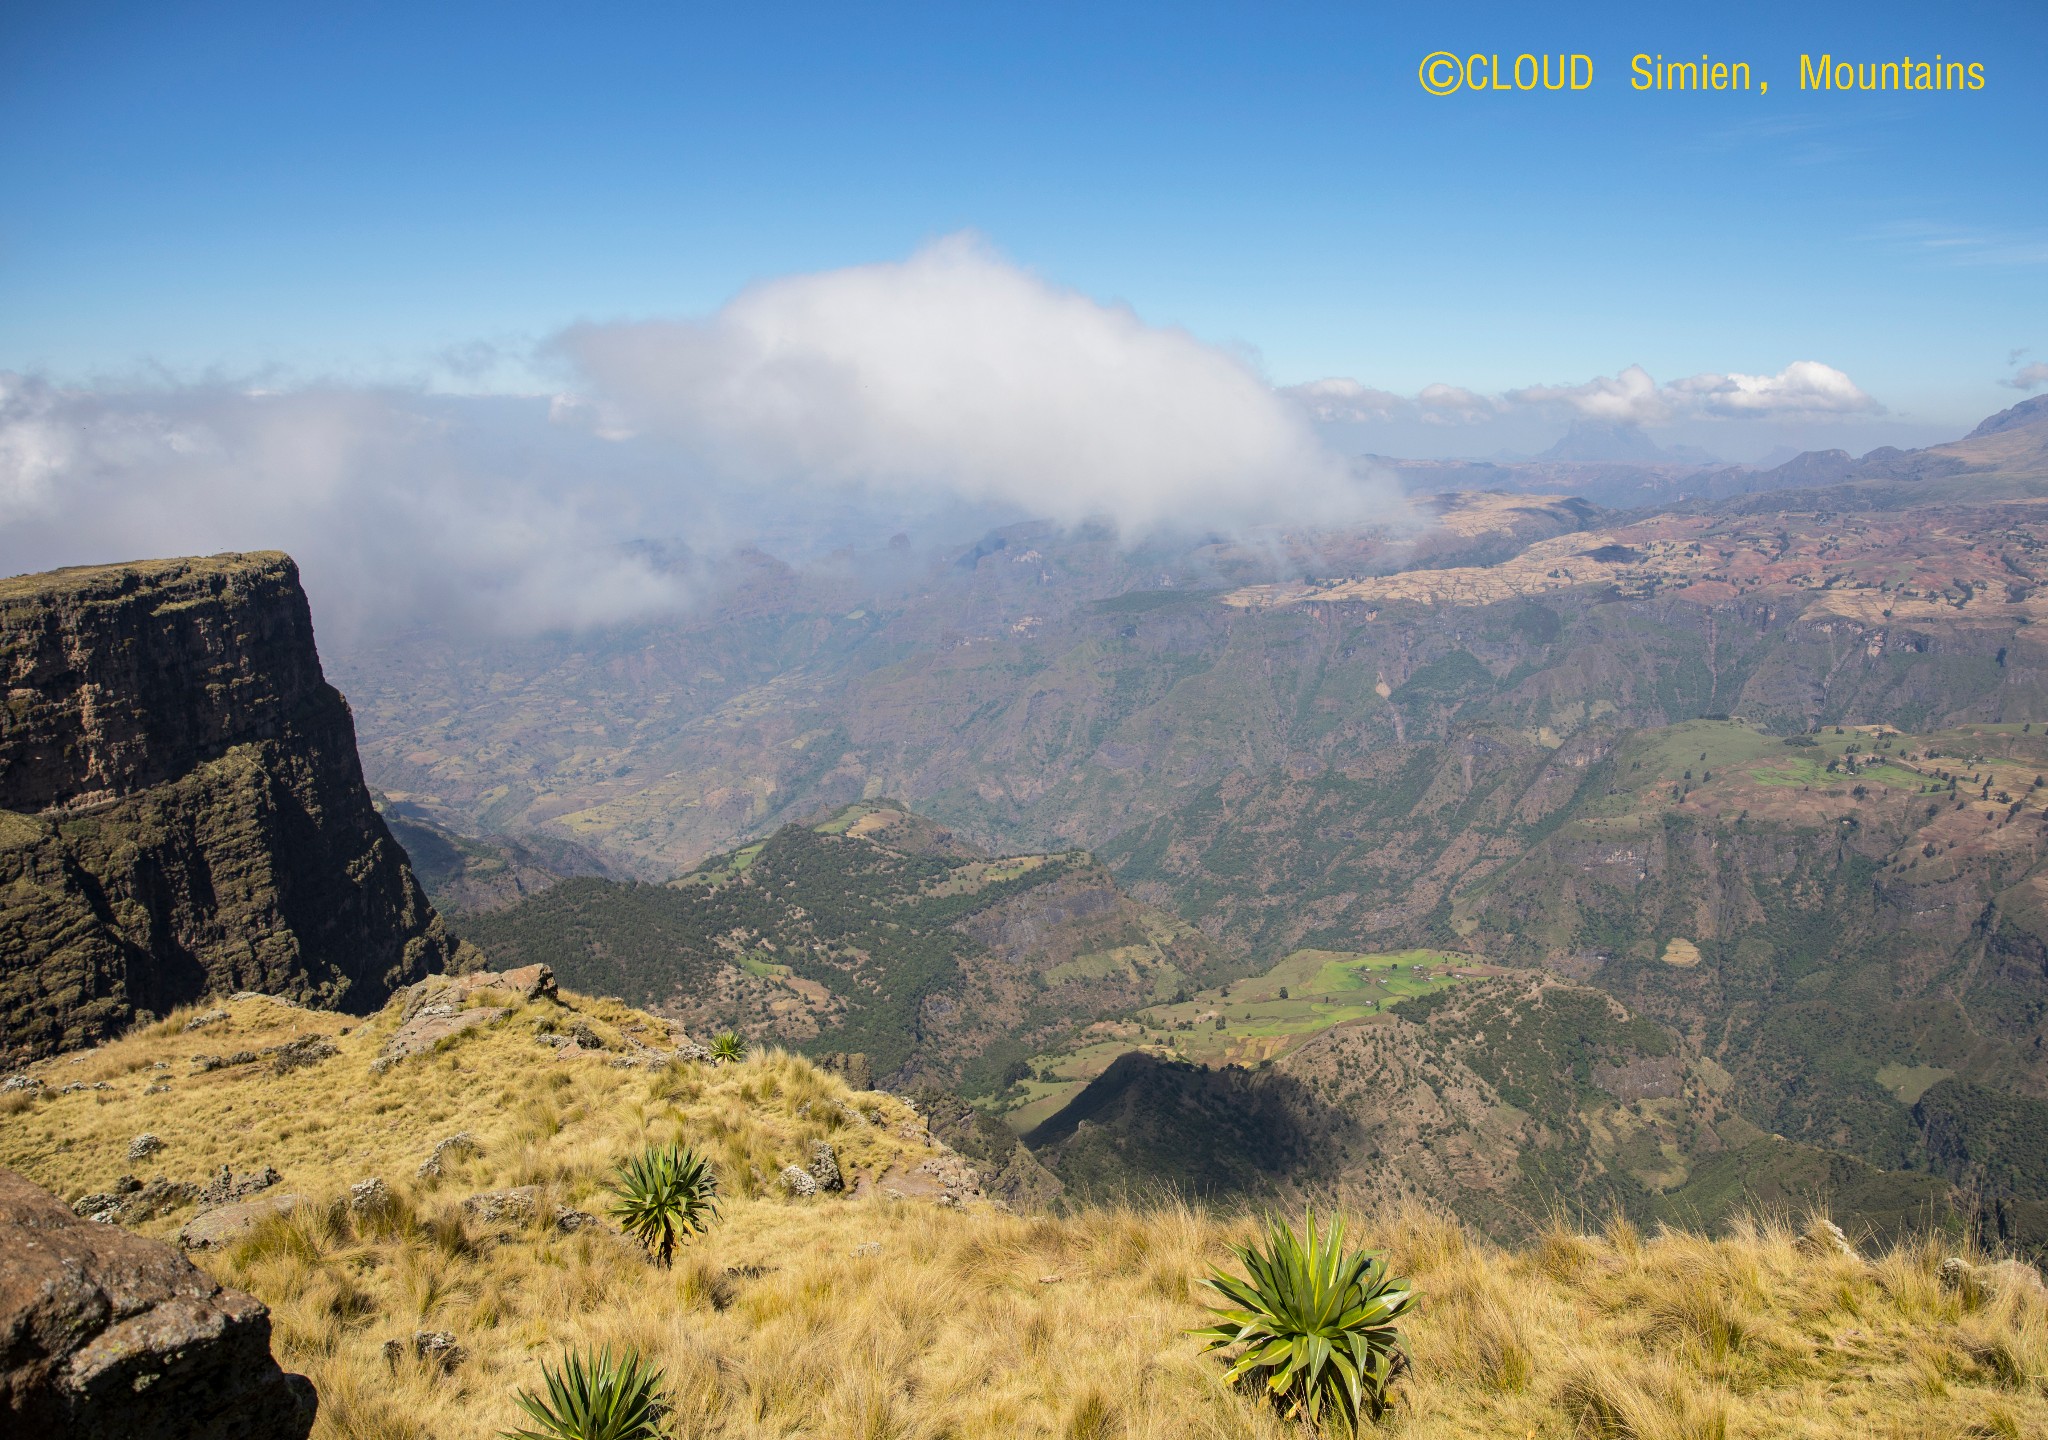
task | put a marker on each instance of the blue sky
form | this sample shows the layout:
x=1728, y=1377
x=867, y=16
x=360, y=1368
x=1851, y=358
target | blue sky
x=370, y=192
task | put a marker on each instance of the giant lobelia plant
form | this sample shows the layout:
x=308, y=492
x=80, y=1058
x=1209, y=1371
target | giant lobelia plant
x=1317, y=1323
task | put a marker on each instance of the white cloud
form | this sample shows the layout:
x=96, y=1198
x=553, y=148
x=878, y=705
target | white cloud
x=393, y=506
x=1454, y=405
x=2029, y=377
x=1631, y=397
x=1341, y=400
x=1805, y=388
x=958, y=373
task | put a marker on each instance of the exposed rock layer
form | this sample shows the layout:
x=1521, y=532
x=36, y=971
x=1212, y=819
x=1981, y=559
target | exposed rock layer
x=182, y=810
x=107, y=1333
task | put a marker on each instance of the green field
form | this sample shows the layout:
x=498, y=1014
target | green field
x=1261, y=1017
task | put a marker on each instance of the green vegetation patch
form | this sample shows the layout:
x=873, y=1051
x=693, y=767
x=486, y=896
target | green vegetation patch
x=1909, y=1082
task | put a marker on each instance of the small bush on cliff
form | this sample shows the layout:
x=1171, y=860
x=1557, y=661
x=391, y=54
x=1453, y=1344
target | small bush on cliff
x=1317, y=1323
x=664, y=1191
x=594, y=1397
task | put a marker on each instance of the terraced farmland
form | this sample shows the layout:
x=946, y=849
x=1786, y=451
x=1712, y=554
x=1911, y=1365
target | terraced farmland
x=1244, y=1022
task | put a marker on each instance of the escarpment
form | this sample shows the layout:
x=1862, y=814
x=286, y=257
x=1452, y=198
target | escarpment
x=182, y=809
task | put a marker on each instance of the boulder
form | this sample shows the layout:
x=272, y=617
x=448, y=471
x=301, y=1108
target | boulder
x=521, y=1206
x=435, y=1348
x=143, y=1146
x=371, y=1199
x=459, y=1146
x=799, y=1182
x=429, y=1027
x=304, y=1051
x=825, y=1166
x=516, y=1206
x=222, y=1226
x=226, y=1186
x=107, y=1333
x=527, y=983
x=131, y=1202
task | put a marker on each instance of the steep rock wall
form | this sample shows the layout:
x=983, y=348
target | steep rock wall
x=182, y=810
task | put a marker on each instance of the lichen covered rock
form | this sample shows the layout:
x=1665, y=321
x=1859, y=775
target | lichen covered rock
x=110, y=1333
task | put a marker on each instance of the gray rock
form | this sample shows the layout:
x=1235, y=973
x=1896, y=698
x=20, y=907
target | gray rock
x=825, y=1166
x=221, y=1227
x=21, y=1082
x=1826, y=1238
x=428, y=1027
x=586, y=1037
x=521, y=1206
x=202, y=1063
x=370, y=1199
x=299, y=1053
x=200, y=1022
x=459, y=1146
x=112, y=1334
x=436, y=1348
x=131, y=1202
x=226, y=1186
x=143, y=1146
x=517, y=1206
x=799, y=1182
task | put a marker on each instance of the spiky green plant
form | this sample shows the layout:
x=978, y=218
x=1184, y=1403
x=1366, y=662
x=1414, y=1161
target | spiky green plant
x=594, y=1397
x=728, y=1047
x=1317, y=1323
x=663, y=1192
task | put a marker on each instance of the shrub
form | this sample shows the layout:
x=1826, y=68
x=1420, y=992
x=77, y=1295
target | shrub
x=727, y=1047
x=1317, y=1323
x=594, y=1397
x=663, y=1191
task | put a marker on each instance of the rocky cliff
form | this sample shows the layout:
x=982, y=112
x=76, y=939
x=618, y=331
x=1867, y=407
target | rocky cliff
x=182, y=810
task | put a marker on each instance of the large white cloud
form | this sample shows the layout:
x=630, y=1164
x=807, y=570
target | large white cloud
x=951, y=388
x=1805, y=388
x=957, y=372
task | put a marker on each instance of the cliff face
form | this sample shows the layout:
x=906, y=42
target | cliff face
x=182, y=811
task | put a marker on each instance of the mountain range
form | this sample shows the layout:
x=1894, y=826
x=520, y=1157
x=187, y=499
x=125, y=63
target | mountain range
x=1714, y=829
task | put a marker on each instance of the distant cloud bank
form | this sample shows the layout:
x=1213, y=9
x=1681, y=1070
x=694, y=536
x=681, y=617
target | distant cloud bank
x=949, y=383
x=1803, y=389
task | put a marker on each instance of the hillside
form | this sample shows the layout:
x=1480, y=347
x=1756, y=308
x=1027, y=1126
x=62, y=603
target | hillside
x=871, y=931
x=856, y=1312
x=1834, y=936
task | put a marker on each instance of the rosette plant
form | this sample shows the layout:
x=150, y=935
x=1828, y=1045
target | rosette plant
x=664, y=1192
x=594, y=1396
x=1317, y=1323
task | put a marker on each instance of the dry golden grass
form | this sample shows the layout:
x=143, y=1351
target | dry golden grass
x=869, y=1317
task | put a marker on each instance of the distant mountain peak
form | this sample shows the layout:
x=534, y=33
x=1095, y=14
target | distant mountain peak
x=2025, y=415
x=1600, y=440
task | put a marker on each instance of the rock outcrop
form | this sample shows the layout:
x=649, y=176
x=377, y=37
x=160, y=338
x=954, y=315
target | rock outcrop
x=103, y=1332
x=182, y=809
